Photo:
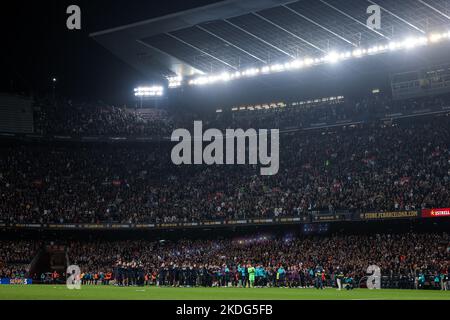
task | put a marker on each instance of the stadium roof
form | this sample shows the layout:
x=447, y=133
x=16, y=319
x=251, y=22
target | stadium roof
x=237, y=34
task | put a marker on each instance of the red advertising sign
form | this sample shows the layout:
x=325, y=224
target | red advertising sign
x=436, y=213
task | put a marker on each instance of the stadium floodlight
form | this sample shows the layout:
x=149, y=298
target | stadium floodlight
x=225, y=76
x=297, y=64
x=175, y=82
x=331, y=57
x=308, y=61
x=393, y=45
x=373, y=50
x=251, y=72
x=357, y=53
x=203, y=80
x=436, y=37
x=155, y=91
x=409, y=43
x=265, y=69
x=277, y=68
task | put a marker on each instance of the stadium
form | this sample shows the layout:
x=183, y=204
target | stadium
x=268, y=150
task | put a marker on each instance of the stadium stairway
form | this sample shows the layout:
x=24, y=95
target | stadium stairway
x=48, y=260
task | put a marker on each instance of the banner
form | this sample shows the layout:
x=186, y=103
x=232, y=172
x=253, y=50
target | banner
x=436, y=213
x=7, y=281
x=389, y=215
x=328, y=217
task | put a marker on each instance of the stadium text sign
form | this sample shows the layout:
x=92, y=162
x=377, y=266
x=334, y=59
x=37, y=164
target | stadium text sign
x=389, y=215
x=436, y=213
x=232, y=143
x=7, y=281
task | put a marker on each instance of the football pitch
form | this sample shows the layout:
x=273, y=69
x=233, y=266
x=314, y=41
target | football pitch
x=39, y=292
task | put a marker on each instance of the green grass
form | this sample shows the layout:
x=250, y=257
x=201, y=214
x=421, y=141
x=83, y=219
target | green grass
x=38, y=292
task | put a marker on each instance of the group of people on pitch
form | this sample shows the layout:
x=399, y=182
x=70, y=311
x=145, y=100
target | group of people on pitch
x=248, y=276
x=240, y=276
x=129, y=273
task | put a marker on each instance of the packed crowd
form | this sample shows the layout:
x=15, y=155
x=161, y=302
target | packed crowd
x=366, y=168
x=15, y=258
x=66, y=117
x=335, y=111
x=405, y=260
x=96, y=119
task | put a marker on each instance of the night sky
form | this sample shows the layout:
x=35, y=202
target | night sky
x=39, y=47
